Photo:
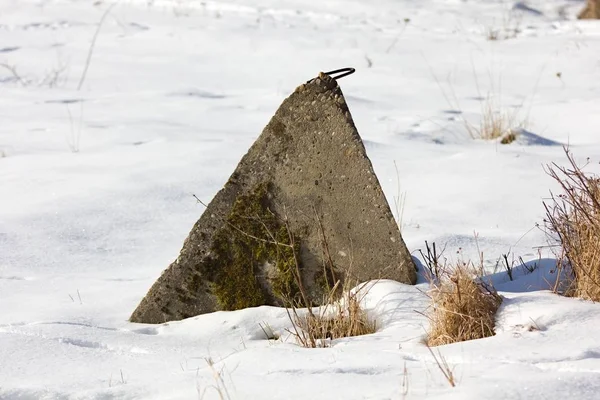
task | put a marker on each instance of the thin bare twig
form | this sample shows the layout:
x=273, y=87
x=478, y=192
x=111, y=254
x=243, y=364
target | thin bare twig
x=13, y=70
x=93, y=45
x=442, y=364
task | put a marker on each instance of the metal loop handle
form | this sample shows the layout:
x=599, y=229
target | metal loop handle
x=342, y=72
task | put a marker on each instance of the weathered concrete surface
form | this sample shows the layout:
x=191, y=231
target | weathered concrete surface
x=321, y=182
x=591, y=10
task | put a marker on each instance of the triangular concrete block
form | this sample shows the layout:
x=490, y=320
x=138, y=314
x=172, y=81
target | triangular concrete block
x=304, y=199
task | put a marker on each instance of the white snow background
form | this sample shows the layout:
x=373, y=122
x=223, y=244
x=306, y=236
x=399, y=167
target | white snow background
x=96, y=188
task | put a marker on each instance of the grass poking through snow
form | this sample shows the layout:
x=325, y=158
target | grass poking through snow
x=463, y=307
x=574, y=216
x=338, y=318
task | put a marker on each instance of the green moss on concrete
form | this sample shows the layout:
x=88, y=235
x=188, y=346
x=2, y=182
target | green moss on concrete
x=252, y=238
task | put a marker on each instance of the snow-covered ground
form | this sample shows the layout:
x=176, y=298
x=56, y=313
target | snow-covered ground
x=96, y=188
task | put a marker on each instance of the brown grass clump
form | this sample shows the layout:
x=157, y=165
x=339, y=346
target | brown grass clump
x=496, y=122
x=338, y=318
x=464, y=307
x=574, y=216
x=591, y=10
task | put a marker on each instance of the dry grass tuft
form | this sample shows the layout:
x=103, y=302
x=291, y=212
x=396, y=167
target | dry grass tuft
x=220, y=386
x=496, y=120
x=338, y=318
x=591, y=10
x=464, y=307
x=444, y=367
x=495, y=123
x=574, y=216
x=508, y=28
x=341, y=314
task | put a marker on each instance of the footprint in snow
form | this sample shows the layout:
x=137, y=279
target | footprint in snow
x=64, y=101
x=198, y=93
x=9, y=49
x=83, y=343
x=522, y=6
x=146, y=331
x=13, y=278
x=100, y=346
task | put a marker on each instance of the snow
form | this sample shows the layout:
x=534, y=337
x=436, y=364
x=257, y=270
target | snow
x=96, y=188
